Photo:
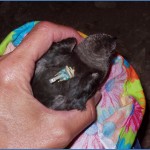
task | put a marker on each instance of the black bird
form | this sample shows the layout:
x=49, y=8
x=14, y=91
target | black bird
x=69, y=74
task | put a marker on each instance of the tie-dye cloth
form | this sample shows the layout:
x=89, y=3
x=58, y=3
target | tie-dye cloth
x=120, y=111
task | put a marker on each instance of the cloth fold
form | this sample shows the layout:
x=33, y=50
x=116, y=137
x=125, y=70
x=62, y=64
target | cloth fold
x=120, y=111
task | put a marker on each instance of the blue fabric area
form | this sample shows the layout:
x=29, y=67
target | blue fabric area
x=92, y=130
x=21, y=32
x=108, y=129
x=122, y=145
x=126, y=63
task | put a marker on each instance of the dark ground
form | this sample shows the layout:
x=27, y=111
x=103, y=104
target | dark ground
x=129, y=21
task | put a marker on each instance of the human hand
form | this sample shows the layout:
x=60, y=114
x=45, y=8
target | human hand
x=24, y=122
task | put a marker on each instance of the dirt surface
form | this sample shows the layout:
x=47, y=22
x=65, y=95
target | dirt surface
x=129, y=21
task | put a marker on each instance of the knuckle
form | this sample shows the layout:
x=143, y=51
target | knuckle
x=92, y=112
x=66, y=135
x=63, y=135
x=6, y=76
x=45, y=26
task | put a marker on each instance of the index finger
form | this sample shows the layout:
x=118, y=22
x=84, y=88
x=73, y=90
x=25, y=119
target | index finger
x=37, y=42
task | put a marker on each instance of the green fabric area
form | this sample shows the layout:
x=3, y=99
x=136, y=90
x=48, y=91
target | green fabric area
x=9, y=39
x=5, y=42
x=135, y=89
x=128, y=136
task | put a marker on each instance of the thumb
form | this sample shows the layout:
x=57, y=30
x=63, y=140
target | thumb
x=37, y=42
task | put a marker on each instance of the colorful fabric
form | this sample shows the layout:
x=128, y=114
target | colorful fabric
x=120, y=111
x=15, y=37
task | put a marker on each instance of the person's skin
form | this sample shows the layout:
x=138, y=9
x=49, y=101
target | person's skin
x=24, y=122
